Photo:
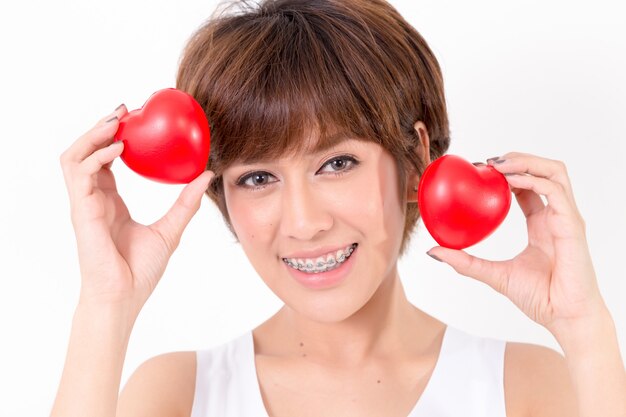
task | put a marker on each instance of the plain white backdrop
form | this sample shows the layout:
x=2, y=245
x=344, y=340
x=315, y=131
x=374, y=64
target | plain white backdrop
x=531, y=76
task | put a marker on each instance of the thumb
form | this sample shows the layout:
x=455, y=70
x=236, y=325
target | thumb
x=172, y=225
x=493, y=273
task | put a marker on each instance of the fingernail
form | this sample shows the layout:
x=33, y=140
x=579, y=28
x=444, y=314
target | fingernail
x=490, y=159
x=111, y=119
x=478, y=163
x=118, y=107
x=433, y=256
x=499, y=161
x=511, y=173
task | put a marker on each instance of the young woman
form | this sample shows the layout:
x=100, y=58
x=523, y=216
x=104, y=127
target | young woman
x=324, y=115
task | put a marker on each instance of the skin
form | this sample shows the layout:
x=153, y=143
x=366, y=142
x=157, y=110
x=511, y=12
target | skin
x=302, y=210
x=374, y=333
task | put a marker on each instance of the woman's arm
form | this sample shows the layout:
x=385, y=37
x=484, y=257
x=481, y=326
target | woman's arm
x=121, y=262
x=93, y=367
x=162, y=386
x=588, y=381
x=553, y=282
x=595, y=365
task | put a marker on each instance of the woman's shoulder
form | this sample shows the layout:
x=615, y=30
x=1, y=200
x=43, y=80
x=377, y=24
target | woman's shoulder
x=166, y=380
x=536, y=380
x=169, y=380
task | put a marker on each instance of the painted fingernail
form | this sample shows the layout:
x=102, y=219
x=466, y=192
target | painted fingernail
x=433, y=256
x=120, y=106
x=478, y=163
x=511, y=173
x=111, y=119
x=493, y=158
x=499, y=161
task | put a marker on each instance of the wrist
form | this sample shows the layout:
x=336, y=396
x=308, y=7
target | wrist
x=118, y=317
x=583, y=334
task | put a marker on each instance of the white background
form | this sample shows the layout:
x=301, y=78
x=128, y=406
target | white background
x=532, y=76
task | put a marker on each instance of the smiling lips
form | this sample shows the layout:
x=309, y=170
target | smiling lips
x=322, y=263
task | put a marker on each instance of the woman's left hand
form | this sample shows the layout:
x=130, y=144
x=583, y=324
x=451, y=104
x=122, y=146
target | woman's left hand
x=552, y=280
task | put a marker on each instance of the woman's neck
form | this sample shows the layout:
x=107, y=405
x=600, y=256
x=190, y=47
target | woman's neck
x=388, y=325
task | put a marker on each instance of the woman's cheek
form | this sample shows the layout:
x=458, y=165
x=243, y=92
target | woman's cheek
x=259, y=216
x=359, y=199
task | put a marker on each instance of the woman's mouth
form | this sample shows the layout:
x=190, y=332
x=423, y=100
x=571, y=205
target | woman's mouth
x=323, y=263
x=329, y=271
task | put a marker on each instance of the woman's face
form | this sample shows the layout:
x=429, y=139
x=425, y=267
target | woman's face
x=347, y=194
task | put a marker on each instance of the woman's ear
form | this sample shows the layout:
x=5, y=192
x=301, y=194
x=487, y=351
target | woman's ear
x=424, y=147
x=424, y=154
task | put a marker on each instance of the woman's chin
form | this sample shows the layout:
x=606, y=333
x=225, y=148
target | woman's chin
x=334, y=308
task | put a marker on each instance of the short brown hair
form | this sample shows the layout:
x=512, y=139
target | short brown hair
x=273, y=71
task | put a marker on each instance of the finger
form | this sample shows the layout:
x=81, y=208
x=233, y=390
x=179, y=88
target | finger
x=172, y=225
x=119, y=111
x=493, y=273
x=517, y=162
x=554, y=192
x=108, y=165
x=97, y=137
x=529, y=201
x=83, y=181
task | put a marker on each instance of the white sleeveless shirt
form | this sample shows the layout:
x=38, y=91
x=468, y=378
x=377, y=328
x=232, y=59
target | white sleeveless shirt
x=468, y=380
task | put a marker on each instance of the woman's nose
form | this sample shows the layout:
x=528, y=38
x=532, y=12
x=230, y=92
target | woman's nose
x=304, y=212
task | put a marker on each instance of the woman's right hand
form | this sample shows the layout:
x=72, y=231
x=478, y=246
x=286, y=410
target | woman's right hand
x=121, y=261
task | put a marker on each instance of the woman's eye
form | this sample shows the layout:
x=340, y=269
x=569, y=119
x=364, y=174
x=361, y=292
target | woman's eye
x=339, y=164
x=260, y=179
x=256, y=179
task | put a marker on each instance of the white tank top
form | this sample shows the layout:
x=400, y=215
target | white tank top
x=468, y=380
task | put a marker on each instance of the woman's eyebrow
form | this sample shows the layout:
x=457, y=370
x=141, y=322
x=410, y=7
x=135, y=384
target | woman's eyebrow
x=333, y=141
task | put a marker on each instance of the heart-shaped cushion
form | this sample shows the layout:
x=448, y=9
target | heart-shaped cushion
x=168, y=139
x=461, y=204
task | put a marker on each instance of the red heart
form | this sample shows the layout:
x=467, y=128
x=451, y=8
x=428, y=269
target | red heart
x=461, y=204
x=168, y=139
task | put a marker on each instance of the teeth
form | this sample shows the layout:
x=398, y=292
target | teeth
x=321, y=264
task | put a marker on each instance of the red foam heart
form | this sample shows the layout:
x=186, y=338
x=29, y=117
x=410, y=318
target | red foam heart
x=461, y=204
x=168, y=139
